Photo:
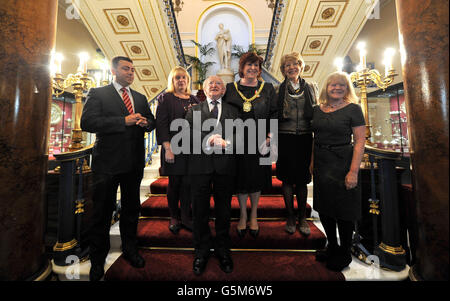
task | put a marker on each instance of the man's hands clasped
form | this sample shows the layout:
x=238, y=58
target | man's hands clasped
x=136, y=119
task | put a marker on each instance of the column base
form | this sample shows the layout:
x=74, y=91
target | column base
x=392, y=258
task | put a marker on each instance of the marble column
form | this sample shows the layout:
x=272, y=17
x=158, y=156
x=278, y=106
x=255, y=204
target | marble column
x=27, y=35
x=423, y=28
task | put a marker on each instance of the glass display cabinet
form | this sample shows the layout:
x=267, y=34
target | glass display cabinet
x=387, y=115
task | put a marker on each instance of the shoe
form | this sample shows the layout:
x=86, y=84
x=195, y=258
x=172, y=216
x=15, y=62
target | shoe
x=199, y=265
x=96, y=273
x=323, y=254
x=187, y=226
x=226, y=263
x=134, y=259
x=339, y=260
x=241, y=232
x=254, y=233
x=174, y=228
x=303, y=227
x=290, y=225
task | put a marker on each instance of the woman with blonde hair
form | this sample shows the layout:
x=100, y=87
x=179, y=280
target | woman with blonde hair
x=296, y=99
x=339, y=137
x=173, y=104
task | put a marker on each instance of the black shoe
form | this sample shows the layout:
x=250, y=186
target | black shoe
x=174, y=228
x=187, y=225
x=225, y=263
x=241, y=232
x=96, y=273
x=199, y=265
x=323, y=254
x=134, y=259
x=254, y=233
x=339, y=260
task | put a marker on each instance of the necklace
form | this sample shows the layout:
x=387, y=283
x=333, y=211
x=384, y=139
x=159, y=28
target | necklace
x=247, y=106
x=333, y=106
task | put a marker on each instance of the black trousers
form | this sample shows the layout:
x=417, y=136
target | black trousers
x=221, y=187
x=104, y=200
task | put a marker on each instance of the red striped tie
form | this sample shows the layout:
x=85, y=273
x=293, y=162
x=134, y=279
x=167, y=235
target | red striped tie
x=126, y=100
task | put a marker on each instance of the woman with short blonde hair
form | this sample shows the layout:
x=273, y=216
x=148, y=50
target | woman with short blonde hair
x=296, y=99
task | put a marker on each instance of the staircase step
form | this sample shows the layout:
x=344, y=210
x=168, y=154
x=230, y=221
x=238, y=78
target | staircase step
x=173, y=265
x=155, y=233
x=268, y=206
x=160, y=187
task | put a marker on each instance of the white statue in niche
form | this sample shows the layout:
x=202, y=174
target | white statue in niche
x=223, y=39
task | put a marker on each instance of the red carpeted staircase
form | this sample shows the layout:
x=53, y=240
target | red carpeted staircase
x=273, y=256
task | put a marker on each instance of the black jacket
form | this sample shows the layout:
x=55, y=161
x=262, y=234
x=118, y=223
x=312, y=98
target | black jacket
x=310, y=99
x=118, y=148
x=203, y=163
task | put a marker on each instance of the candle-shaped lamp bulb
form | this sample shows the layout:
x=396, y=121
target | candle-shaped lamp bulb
x=339, y=63
x=362, y=54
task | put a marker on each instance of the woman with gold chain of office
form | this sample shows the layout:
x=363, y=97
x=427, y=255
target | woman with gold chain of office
x=255, y=100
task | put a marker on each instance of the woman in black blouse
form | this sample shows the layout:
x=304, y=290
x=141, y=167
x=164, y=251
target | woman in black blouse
x=336, y=162
x=173, y=104
x=296, y=99
x=255, y=101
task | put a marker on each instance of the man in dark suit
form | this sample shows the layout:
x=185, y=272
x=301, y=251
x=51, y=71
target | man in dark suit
x=119, y=116
x=212, y=171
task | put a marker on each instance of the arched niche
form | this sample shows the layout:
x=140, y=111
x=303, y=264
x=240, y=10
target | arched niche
x=235, y=18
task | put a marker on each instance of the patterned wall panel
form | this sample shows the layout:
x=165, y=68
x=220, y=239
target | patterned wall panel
x=135, y=50
x=146, y=73
x=328, y=13
x=315, y=44
x=121, y=20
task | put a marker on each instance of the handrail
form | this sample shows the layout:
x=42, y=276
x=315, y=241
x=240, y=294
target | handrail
x=74, y=155
x=276, y=21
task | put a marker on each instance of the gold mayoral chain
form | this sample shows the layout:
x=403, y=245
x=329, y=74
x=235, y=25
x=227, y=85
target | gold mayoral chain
x=247, y=106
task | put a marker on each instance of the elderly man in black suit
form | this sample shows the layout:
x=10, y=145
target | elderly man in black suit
x=119, y=116
x=212, y=171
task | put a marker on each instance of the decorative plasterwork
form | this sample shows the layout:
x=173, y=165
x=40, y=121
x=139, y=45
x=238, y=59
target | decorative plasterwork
x=153, y=90
x=146, y=73
x=328, y=13
x=135, y=50
x=310, y=68
x=315, y=45
x=121, y=20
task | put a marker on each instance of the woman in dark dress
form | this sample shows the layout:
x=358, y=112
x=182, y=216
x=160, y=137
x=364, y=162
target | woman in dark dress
x=173, y=104
x=336, y=163
x=296, y=99
x=255, y=101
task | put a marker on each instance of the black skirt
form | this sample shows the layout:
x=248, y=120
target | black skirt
x=294, y=158
x=331, y=198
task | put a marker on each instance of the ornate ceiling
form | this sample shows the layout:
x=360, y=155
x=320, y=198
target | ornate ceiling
x=319, y=30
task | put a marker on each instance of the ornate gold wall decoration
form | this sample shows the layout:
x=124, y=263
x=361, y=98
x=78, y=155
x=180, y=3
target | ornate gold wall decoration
x=310, y=68
x=121, y=20
x=329, y=13
x=135, y=50
x=315, y=45
x=152, y=90
x=146, y=73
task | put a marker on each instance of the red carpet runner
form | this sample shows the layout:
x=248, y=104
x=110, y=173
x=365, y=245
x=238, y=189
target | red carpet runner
x=273, y=256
